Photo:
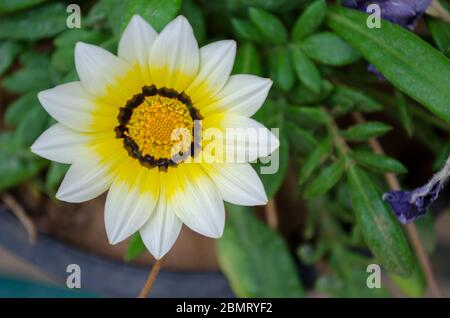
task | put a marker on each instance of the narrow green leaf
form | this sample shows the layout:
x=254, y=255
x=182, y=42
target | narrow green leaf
x=281, y=71
x=306, y=70
x=413, y=286
x=272, y=181
x=255, y=259
x=32, y=124
x=440, y=31
x=309, y=21
x=247, y=60
x=348, y=97
x=195, y=16
x=135, y=248
x=408, y=62
x=8, y=52
x=303, y=95
x=41, y=22
x=329, y=49
x=70, y=37
x=404, y=114
x=301, y=140
x=115, y=14
x=269, y=25
x=378, y=162
x=361, y=132
x=28, y=79
x=246, y=31
x=381, y=231
x=54, y=176
x=20, y=108
x=9, y=6
x=325, y=180
x=315, y=159
x=156, y=12
x=306, y=117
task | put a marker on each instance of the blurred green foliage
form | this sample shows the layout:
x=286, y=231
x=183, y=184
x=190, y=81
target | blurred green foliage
x=316, y=56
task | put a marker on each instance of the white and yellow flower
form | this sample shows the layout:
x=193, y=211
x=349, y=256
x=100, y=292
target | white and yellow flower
x=115, y=127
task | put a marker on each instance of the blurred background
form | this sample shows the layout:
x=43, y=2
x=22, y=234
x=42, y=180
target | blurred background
x=310, y=240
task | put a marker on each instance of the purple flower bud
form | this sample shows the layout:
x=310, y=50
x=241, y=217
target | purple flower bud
x=402, y=12
x=409, y=205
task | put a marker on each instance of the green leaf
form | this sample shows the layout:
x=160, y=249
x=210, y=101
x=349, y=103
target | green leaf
x=361, y=132
x=306, y=70
x=306, y=117
x=378, y=162
x=281, y=71
x=440, y=31
x=62, y=58
x=413, y=286
x=272, y=181
x=16, y=164
x=325, y=180
x=54, y=176
x=404, y=115
x=246, y=31
x=347, y=97
x=9, y=6
x=195, y=16
x=115, y=13
x=381, y=231
x=309, y=21
x=408, y=62
x=20, y=108
x=272, y=173
x=96, y=14
x=302, y=141
x=135, y=248
x=28, y=79
x=269, y=25
x=329, y=49
x=70, y=37
x=41, y=22
x=31, y=126
x=315, y=159
x=303, y=95
x=156, y=12
x=8, y=52
x=247, y=60
x=255, y=259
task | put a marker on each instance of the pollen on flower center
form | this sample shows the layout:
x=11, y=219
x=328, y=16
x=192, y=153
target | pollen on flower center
x=154, y=125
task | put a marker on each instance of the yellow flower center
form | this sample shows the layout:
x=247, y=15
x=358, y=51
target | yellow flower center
x=155, y=126
x=158, y=127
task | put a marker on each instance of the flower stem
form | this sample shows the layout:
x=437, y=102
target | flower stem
x=411, y=229
x=271, y=214
x=151, y=279
x=438, y=11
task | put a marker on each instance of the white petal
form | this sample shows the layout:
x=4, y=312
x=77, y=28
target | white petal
x=128, y=206
x=174, y=56
x=162, y=228
x=104, y=75
x=136, y=43
x=86, y=179
x=196, y=200
x=238, y=183
x=243, y=95
x=60, y=144
x=216, y=63
x=243, y=139
x=71, y=105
